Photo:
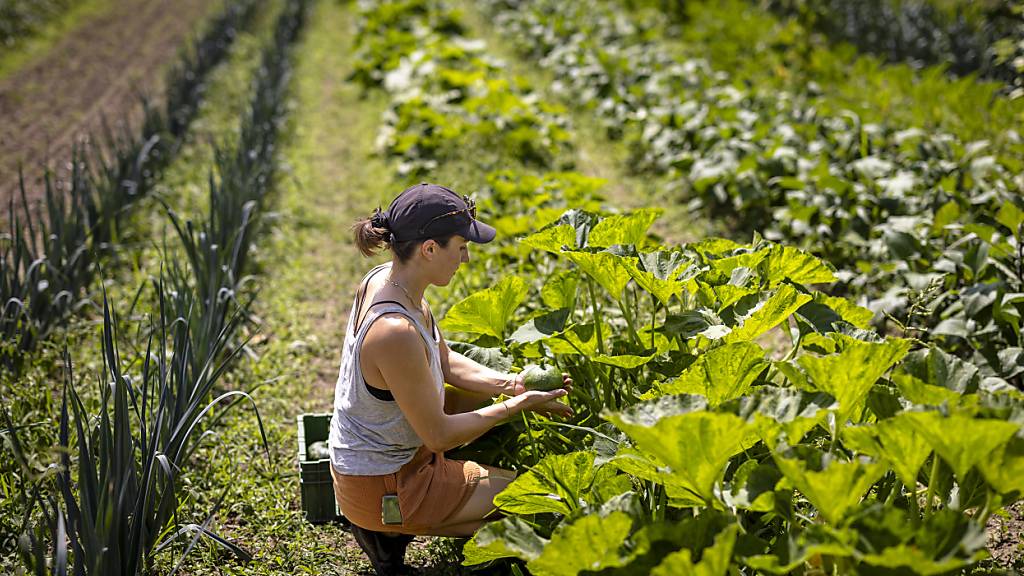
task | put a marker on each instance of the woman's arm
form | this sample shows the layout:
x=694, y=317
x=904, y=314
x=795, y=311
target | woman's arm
x=410, y=381
x=468, y=374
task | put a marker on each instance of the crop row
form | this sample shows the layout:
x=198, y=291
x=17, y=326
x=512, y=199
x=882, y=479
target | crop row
x=925, y=227
x=20, y=19
x=48, y=257
x=114, y=498
x=983, y=38
x=729, y=416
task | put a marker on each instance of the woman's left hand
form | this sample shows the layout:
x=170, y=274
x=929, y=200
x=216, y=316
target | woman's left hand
x=516, y=384
x=551, y=408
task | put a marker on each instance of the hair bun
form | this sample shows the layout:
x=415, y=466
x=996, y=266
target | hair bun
x=380, y=220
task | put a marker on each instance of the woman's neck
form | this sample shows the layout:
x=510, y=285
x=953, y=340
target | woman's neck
x=408, y=278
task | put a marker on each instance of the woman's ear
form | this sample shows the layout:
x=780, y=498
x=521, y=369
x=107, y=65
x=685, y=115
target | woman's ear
x=428, y=249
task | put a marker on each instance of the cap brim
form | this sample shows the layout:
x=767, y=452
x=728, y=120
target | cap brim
x=478, y=232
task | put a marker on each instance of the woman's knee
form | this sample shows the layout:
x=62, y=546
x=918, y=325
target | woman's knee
x=480, y=505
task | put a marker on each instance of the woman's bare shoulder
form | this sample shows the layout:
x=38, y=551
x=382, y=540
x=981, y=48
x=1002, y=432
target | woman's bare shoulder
x=393, y=334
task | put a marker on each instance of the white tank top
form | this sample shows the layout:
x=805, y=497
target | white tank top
x=370, y=436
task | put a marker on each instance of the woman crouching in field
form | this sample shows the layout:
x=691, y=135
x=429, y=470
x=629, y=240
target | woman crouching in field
x=393, y=415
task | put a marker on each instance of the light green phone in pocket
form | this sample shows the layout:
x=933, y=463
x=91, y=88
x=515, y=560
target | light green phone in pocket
x=390, y=514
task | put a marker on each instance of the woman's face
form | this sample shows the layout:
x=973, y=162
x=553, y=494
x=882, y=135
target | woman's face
x=447, y=259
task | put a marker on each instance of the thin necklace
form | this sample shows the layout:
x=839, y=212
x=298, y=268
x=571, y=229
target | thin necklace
x=400, y=287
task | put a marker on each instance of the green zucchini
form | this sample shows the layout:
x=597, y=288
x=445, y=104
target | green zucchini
x=542, y=378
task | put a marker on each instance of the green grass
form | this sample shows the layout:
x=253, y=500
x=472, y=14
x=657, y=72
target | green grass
x=309, y=266
x=26, y=50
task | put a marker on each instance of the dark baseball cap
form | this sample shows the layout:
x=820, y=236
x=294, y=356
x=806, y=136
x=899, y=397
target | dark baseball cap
x=430, y=211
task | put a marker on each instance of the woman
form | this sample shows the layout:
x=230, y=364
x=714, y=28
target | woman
x=393, y=416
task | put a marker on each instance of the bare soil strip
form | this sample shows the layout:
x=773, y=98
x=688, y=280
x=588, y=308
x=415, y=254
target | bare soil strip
x=95, y=72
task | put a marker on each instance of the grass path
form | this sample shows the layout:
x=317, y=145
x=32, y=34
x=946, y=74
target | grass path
x=308, y=267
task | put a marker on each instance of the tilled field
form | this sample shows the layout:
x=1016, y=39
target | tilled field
x=95, y=72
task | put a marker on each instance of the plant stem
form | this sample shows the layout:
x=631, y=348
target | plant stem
x=628, y=315
x=596, y=311
x=932, y=478
x=654, y=316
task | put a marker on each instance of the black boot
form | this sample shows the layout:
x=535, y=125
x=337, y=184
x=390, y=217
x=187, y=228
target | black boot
x=386, y=551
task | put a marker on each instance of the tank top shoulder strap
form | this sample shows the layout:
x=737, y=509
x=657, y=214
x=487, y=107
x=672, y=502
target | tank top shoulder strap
x=357, y=307
x=391, y=307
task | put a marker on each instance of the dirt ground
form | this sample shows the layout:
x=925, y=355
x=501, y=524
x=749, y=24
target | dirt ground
x=94, y=72
x=1005, y=535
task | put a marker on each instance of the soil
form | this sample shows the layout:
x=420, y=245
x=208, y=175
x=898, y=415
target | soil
x=1006, y=537
x=94, y=73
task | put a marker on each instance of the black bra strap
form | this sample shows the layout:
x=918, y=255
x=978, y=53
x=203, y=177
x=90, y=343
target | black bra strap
x=380, y=393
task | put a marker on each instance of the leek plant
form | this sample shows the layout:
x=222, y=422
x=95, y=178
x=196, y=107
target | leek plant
x=120, y=507
x=44, y=263
x=45, y=257
x=115, y=495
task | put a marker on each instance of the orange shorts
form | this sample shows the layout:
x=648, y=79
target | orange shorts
x=430, y=490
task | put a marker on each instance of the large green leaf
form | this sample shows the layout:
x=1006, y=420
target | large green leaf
x=663, y=264
x=721, y=374
x=623, y=228
x=690, y=323
x=723, y=267
x=1004, y=467
x=551, y=239
x=581, y=222
x=796, y=549
x=490, y=357
x=560, y=290
x=609, y=270
x=580, y=339
x=714, y=561
x=935, y=367
x=1011, y=216
x=896, y=441
x=849, y=375
x=635, y=462
x=487, y=311
x=773, y=409
x=939, y=543
x=591, y=543
x=695, y=444
x=834, y=487
x=790, y=263
x=509, y=537
x=769, y=314
x=558, y=483
x=662, y=289
x=726, y=295
x=915, y=560
x=714, y=246
x=548, y=325
x=960, y=440
x=752, y=487
x=824, y=313
x=627, y=361
x=919, y=392
x=847, y=310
